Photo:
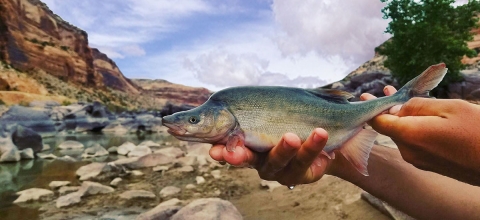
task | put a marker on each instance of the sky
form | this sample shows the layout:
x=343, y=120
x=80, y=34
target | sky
x=222, y=43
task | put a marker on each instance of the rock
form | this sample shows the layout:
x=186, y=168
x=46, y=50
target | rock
x=27, y=154
x=216, y=174
x=137, y=194
x=71, y=145
x=116, y=181
x=139, y=151
x=58, y=184
x=33, y=194
x=125, y=148
x=149, y=143
x=271, y=185
x=95, y=151
x=159, y=212
x=171, y=202
x=91, y=117
x=136, y=173
x=186, y=161
x=26, y=138
x=91, y=170
x=68, y=189
x=8, y=150
x=150, y=160
x=171, y=152
x=200, y=180
x=169, y=191
x=45, y=147
x=185, y=169
x=160, y=168
x=190, y=186
x=36, y=120
x=68, y=200
x=93, y=188
x=44, y=104
x=208, y=209
x=47, y=156
x=112, y=150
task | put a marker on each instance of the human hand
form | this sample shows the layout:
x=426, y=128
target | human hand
x=290, y=162
x=436, y=135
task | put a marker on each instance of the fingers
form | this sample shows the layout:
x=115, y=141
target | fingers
x=367, y=96
x=280, y=155
x=388, y=90
x=307, y=155
x=241, y=157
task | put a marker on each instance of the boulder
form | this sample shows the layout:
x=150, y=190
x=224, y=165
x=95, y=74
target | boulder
x=137, y=194
x=139, y=151
x=37, y=120
x=125, y=148
x=149, y=143
x=208, y=209
x=159, y=212
x=8, y=150
x=98, y=171
x=116, y=181
x=34, y=194
x=91, y=117
x=93, y=188
x=27, y=154
x=58, y=184
x=68, y=200
x=68, y=189
x=169, y=191
x=186, y=161
x=24, y=138
x=47, y=156
x=95, y=151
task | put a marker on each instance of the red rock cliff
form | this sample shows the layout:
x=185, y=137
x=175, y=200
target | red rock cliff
x=32, y=36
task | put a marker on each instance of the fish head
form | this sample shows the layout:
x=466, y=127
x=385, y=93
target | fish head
x=208, y=123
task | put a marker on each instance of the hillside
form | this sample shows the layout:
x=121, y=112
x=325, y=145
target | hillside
x=54, y=57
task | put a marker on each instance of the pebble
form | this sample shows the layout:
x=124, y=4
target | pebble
x=200, y=180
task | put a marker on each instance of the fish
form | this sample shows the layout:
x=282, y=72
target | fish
x=257, y=116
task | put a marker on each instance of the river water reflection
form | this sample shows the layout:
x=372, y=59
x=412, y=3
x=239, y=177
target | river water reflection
x=39, y=173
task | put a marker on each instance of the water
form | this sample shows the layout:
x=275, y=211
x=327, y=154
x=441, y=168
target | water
x=39, y=173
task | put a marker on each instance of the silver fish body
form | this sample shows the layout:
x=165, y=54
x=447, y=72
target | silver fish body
x=257, y=117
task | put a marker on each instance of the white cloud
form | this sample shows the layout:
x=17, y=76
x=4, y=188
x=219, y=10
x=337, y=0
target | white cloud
x=348, y=28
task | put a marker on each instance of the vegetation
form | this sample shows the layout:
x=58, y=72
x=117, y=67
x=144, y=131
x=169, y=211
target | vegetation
x=427, y=32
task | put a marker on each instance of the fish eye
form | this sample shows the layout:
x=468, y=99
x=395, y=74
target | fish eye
x=193, y=120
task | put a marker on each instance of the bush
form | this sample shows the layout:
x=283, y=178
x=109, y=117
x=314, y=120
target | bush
x=427, y=32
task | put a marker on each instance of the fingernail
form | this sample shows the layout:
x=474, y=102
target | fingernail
x=317, y=138
x=286, y=146
x=395, y=109
x=318, y=161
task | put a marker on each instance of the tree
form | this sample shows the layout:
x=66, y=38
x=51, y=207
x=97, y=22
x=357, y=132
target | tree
x=427, y=32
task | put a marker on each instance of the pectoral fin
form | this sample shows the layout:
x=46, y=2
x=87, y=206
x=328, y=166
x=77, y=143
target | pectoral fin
x=358, y=148
x=235, y=139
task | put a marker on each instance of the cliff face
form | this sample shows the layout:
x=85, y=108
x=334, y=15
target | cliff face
x=33, y=37
x=165, y=91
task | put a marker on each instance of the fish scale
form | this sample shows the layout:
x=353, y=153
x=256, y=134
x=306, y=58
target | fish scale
x=258, y=116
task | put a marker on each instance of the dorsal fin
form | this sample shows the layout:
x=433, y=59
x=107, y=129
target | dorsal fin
x=333, y=95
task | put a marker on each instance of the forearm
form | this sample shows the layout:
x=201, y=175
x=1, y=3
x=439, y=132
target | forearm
x=419, y=193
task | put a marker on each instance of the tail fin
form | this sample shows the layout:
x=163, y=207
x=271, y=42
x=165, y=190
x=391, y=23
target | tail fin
x=421, y=85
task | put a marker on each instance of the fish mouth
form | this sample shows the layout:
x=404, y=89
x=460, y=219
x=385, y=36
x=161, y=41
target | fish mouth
x=174, y=130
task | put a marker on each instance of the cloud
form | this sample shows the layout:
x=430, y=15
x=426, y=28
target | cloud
x=348, y=28
x=224, y=69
